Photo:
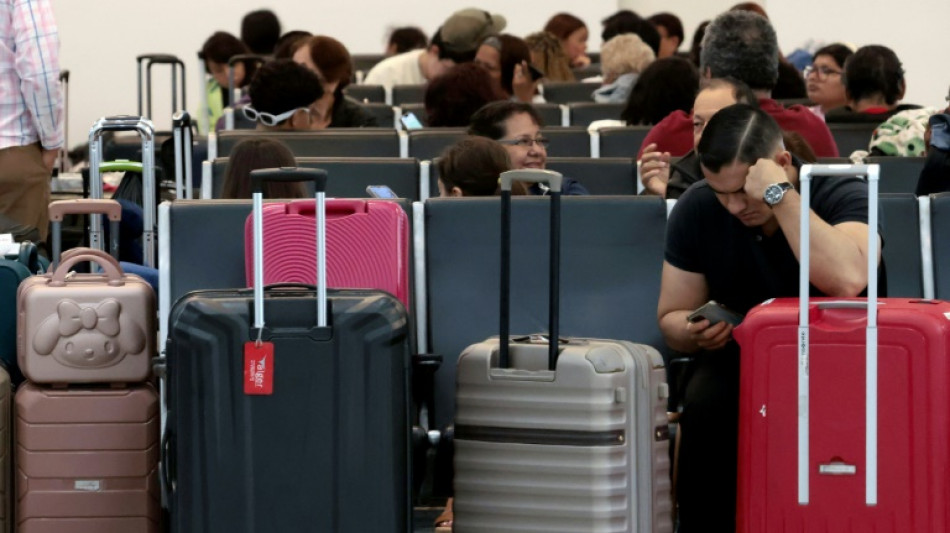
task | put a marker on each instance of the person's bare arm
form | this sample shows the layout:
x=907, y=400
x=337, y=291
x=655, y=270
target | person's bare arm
x=838, y=262
x=682, y=292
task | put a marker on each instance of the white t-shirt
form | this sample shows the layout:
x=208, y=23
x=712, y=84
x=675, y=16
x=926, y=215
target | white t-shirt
x=402, y=69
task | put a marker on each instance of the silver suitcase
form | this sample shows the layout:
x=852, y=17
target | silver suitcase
x=566, y=436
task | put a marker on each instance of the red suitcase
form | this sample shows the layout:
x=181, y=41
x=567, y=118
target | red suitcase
x=860, y=441
x=367, y=245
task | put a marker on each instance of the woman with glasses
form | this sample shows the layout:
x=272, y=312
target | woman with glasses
x=517, y=127
x=824, y=78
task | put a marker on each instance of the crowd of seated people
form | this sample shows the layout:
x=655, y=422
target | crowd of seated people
x=478, y=78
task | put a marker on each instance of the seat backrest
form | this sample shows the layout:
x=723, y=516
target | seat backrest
x=408, y=94
x=571, y=141
x=899, y=174
x=589, y=71
x=850, y=137
x=608, y=176
x=940, y=239
x=569, y=91
x=900, y=217
x=583, y=113
x=366, y=93
x=550, y=113
x=363, y=63
x=611, y=259
x=338, y=142
x=384, y=114
x=622, y=142
x=428, y=143
x=349, y=177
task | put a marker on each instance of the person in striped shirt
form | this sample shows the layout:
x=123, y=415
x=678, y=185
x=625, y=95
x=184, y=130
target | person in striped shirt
x=31, y=112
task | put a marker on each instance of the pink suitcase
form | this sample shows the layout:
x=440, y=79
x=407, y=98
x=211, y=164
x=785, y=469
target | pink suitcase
x=367, y=245
x=87, y=460
x=844, y=417
x=86, y=328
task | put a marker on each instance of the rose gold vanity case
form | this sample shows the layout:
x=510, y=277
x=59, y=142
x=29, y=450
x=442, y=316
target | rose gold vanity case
x=86, y=328
x=87, y=459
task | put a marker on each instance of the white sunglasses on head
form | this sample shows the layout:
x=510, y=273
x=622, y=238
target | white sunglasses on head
x=268, y=119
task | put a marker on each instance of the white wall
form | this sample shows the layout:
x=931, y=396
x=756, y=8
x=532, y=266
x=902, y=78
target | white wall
x=100, y=38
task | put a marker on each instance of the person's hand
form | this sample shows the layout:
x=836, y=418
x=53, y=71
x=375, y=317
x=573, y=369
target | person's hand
x=709, y=337
x=655, y=170
x=521, y=84
x=49, y=159
x=763, y=173
x=580, y=61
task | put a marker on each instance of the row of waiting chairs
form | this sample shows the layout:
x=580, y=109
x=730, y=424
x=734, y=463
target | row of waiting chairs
x=612, y=252
x=415, y=180
x=554, y=92
x=426, y=143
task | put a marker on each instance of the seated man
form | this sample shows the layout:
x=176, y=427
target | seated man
x=282, y=94
x=734, y=238
x=743, y=45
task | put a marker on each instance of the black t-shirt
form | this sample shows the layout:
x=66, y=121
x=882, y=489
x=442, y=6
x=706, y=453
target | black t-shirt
x=742, y=266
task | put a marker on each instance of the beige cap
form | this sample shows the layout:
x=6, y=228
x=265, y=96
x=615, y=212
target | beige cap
x=465, y=30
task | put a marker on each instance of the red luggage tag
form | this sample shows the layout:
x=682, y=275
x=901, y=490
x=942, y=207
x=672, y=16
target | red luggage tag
x=258, y=368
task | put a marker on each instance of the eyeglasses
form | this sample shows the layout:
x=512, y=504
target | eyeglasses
x=822, y=71
x=525, y=142
x=268, y=119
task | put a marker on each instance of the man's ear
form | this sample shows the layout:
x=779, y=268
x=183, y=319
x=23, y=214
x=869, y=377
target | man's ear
x=434, y=50
x=455, y=192
x=707, y=73
x=300, y=120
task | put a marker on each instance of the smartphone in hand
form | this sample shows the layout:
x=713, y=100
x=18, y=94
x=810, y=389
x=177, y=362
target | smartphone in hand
x=715, y=313
x=410, y=121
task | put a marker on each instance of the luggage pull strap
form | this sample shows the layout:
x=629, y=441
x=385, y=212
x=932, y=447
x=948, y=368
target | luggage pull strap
x=289, y=174
x=146, y=131
x=871, y=361
x=553, y=180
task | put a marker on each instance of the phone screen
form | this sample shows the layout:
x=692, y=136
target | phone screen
x=410, y=121
x=381, y=191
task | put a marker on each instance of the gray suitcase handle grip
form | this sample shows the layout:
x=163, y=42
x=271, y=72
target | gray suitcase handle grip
x=288, y=174
x=549, y=177
x=109, y=266
x=160, y=59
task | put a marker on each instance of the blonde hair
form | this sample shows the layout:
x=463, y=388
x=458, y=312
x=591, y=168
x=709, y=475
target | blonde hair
x=623, y=54
x=548, y=55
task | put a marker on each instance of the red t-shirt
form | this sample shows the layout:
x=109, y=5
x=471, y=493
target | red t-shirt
x=674, y=134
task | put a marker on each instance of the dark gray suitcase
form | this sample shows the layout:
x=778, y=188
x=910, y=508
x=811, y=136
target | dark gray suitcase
x=328, y=451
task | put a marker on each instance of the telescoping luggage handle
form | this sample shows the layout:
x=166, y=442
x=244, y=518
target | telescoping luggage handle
x=289, y=174
x=160, y=59
x=60, y=208
x=553, y=180
x=181, y=131
x=146, y=131
x=871, y=453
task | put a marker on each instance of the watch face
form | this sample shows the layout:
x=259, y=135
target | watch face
x=774, y=193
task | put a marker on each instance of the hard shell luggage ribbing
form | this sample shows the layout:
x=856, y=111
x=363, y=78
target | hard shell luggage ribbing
x=367, y=245
x=560, y=436
x=87, y=459
x=328, y=450
x=860, y=441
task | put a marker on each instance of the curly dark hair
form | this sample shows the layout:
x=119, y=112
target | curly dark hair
x=452, y=98
x=743, y=45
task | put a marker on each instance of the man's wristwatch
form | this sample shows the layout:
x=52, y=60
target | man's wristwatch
x=775, y=192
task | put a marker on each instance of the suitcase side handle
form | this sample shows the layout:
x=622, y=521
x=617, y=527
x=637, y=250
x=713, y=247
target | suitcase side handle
x=109, y=266
x=553, y=180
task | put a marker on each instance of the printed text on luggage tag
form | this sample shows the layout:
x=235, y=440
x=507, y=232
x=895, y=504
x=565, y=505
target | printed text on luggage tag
x=258, y=368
